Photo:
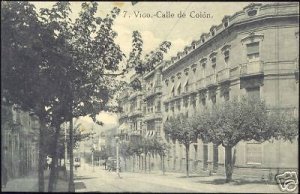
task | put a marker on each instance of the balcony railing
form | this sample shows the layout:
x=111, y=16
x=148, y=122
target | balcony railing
x=211, y=80
x=135, y=94
x=201, y=84
x=153, y=91
x=251, y=69
x=224, y=75
x=135, y=113
x=152, y=116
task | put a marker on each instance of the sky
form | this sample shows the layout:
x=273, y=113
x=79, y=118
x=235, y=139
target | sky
x=179, y=30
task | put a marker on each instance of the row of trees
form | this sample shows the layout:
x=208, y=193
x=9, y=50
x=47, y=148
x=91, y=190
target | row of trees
x=61, y=69
x=138, y=145
x=229, y=123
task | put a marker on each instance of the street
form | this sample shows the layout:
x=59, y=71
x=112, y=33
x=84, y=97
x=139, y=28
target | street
x=100, y=180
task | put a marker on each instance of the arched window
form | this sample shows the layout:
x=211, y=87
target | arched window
x=179, y=89
x=173, y=91
x=186, y=86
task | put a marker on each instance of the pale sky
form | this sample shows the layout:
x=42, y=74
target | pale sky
x=179, y=31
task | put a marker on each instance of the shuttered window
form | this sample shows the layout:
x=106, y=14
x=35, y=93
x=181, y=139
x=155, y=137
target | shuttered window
x=253, y=50
x=254, y=153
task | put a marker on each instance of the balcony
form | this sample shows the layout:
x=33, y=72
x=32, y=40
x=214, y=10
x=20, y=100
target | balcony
x=253, y=68
x=201, y=84
x=211, y=80
x=152, y=116
x=152, y=92
x=224, y=75
x=135, y=94
x=134, y=113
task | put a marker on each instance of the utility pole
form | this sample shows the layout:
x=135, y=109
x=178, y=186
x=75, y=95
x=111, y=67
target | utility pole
x=93, y=147
x=117, y=151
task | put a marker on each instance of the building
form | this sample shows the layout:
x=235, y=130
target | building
x=254, y=52
x=19, y=141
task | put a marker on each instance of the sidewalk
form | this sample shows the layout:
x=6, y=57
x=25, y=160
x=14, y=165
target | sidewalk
x=205, y=183
x=30, y=183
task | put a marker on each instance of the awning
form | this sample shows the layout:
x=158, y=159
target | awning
x=150, y=134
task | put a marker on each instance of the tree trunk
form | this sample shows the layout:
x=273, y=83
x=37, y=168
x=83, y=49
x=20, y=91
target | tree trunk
x=54, y=170
x=174, y=156
x=125, y=166
x=228, y=163
x=187, y=149
x=145, y=163
x=149, y=163
x=71, y=179
x=41, y=158
x=163, y=164
x=133, y=163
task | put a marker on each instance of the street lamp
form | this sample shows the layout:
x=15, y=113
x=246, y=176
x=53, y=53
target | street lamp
x=117, y=153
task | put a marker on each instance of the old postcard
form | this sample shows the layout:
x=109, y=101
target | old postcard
x=163, y=97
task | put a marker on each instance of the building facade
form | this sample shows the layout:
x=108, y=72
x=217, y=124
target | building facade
x=255, y=53
x=19, y=143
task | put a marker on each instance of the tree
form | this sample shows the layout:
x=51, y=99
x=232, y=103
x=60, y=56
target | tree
x=160, y=147
x=183, y=130
x=64, y=72
x=244, y=120
x=26, y=81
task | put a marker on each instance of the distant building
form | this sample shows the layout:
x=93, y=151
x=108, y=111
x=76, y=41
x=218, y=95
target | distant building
x=254, y=52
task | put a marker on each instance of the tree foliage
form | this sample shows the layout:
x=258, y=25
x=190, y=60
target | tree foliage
x=244, y=119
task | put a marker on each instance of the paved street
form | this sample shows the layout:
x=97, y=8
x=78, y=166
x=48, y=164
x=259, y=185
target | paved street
x=103, y=181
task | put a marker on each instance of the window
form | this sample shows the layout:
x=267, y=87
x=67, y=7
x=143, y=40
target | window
x=226, y=95
x=253, y=93
x=186, y=87
x=252, y=12
x=172, y=107
x=213, y=61
x=226, y=24
x=166, y=107
x=178, y=105
x=253, y=51
x=158, y=106
x=167, y=82
x=203, y=101
x=226, y=56
x=173, y=91
x=150, y=125
x=179, y=89
x=193, y=100
x=214, y=99
x=253, y=153
x=186, y=102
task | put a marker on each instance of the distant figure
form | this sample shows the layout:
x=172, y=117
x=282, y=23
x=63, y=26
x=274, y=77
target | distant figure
x=49, y=161
x=4, y=176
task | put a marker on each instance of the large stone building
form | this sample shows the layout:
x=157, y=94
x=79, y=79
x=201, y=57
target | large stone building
x=254, y=52
x=19, y=143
